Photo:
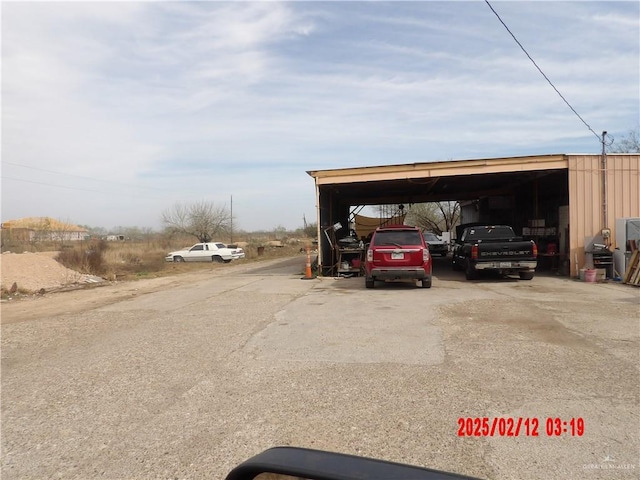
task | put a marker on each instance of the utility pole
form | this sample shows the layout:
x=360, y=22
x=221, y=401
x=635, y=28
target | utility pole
x=231, y=219
x=605, y=216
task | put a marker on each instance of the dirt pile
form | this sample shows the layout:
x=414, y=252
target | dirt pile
x=32, y=272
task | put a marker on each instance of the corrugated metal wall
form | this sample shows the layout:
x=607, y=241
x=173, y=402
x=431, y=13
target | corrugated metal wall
x=586, y=202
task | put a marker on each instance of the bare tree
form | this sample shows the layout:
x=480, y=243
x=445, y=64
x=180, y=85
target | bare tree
x=280, y=232
x=437, y=217
x=310, y=230
x=628, y=144
x=450, y=214
x=202, y=220
x=97, y=231
x=43, y=230
x=147, y=234
x=64, y=231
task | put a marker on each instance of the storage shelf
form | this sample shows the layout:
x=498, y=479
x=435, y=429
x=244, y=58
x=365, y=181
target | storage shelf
x=349, y=255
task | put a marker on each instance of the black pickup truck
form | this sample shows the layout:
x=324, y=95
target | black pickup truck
x=493, y=247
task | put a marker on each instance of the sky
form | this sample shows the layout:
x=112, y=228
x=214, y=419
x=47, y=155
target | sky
x=113, y=112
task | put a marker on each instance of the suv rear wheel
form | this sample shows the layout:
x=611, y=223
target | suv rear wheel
x=369, y=282
x=426, y=283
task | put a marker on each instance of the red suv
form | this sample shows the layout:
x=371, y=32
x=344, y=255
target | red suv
x=398, y=252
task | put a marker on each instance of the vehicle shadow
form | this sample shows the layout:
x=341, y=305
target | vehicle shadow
x=357, y=283
x=442, y=271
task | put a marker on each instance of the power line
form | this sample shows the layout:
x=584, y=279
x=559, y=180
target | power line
x=540, y=70
x=70, y=188
x=76, y=176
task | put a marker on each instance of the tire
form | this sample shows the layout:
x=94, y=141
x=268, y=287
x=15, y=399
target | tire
x=217, y=258
x=178, y=259
x=369, y=282
x=470, y=272
x=227, y=261
x=426, y=283
x=526, y=275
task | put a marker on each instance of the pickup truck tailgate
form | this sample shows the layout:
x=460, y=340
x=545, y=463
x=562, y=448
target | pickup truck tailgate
x=505, y=251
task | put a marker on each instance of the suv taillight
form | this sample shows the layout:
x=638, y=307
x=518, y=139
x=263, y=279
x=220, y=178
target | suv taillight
x=369, y=255
x=425, y=254
x=535, y=249
x=474, y=252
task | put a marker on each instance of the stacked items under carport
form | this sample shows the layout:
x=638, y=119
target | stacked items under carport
x=632, y=275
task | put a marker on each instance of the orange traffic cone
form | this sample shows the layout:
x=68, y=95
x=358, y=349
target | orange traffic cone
x=307, y=271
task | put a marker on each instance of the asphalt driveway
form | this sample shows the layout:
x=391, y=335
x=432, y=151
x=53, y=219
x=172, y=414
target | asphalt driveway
x=189, y=379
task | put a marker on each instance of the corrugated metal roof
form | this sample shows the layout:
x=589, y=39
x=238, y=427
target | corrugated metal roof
x=440, y=169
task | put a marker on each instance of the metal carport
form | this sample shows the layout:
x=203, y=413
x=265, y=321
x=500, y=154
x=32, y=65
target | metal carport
x=529, y=186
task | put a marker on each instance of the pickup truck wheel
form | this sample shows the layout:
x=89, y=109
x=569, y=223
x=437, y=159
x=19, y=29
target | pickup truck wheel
x=217, y=258
x=470, y=272
x=369, y=282
x=426, y=283
x=526, y=275
x=178, y=259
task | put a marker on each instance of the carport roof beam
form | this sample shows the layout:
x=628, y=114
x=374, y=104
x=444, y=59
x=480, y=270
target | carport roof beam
x=439, y=169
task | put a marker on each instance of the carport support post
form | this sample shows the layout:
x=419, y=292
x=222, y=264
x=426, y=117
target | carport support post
x=605, y=217
x=325, y=220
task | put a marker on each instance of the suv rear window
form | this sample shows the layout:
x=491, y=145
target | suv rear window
x=397, y=237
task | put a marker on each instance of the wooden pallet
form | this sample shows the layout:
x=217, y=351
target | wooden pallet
x=632, y=275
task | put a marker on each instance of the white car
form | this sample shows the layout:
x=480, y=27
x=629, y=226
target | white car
x=236, y=251
x=206, y=252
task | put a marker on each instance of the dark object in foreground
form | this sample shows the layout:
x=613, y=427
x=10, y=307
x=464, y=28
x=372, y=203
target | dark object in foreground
x=320, y=465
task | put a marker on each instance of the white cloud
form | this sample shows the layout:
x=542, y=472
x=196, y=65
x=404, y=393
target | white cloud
x=209, y=99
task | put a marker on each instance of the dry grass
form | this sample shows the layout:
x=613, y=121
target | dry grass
x=129, y=260
x=89, y=259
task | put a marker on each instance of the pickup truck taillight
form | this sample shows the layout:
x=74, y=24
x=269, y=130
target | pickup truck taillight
x=535, y=249
x=474, y=252
x=369, y=255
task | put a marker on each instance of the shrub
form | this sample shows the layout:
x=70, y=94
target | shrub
x=85, y=260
